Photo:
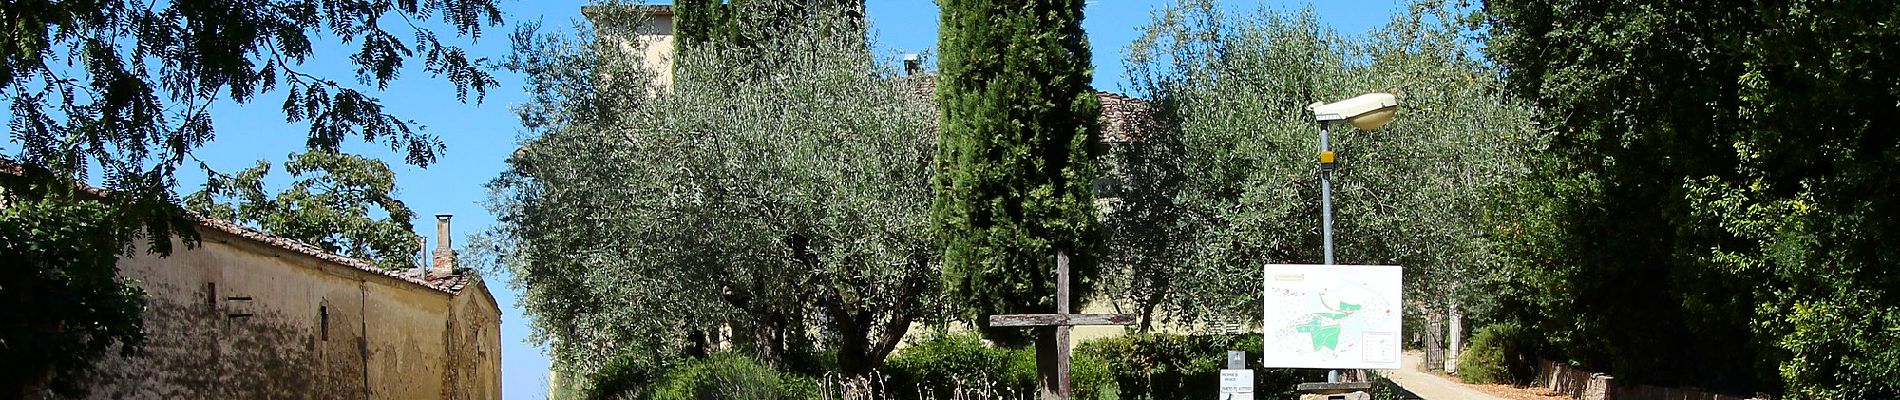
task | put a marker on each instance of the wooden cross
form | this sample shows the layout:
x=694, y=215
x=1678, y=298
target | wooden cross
x=1062, y=320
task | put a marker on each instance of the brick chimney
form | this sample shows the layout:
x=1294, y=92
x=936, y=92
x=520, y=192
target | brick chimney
x=913, y=64
x=444, y=254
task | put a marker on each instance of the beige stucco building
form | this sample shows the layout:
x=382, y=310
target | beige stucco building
x=249, y=316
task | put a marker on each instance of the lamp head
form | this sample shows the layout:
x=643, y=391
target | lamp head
x=1366, y=112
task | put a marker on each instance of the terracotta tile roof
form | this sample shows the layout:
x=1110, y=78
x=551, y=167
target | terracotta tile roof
x=451, y=284
x=1124, y=119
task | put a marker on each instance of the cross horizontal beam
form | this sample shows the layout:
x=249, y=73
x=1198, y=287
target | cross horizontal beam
x=1061, y=319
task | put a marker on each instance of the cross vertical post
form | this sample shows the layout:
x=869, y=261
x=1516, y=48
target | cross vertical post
x=1062, y=331
x=1062, y=321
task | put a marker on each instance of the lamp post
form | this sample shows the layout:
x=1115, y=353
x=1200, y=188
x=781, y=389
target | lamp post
x=1366, y=112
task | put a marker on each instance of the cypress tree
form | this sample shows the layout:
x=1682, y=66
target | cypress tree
x=1016, y=158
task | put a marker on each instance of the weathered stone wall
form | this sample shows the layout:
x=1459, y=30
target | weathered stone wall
x=1572, y=382
x=235, y=318
x=475, y=345
x=1585, y=385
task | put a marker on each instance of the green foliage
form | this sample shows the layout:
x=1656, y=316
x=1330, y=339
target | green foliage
x=62, y=302
x=120, y=91
x=936, y=367
x=1168, y=366
x=1090, y=379
x=1017, y=156
x=1228, y=179
x=627, y=376
x=729, y=376
x=939, y=365
x=788, y=209
x=1715, y=205
x=752, y=24
x=1501, y=353
x=1384, y=389
x=331, y=204
x=125, y=86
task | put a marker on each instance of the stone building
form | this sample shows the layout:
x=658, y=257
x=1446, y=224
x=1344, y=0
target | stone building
x=246, y=315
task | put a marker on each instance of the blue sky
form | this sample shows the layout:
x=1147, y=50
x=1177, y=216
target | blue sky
x=480, y=136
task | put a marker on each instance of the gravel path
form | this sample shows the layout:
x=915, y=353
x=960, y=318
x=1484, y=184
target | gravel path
x=1429, y=386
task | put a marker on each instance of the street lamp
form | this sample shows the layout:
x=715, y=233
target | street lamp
x=1366, y=112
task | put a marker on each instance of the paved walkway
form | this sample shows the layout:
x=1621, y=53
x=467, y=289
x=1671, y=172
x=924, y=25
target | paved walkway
x=1428, y=386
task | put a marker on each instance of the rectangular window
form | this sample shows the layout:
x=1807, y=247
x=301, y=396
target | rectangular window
x=323, y=315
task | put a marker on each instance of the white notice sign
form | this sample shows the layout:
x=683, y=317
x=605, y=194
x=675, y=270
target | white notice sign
x=1236, y=384
x=1332, y=316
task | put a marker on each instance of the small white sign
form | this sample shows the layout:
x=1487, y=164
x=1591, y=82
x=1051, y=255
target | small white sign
x=1236, y=384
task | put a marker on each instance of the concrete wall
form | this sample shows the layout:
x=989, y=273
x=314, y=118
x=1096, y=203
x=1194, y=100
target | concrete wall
x=235, y=318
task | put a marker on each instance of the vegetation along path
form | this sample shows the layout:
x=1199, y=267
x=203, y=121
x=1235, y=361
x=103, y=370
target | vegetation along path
x=1428, y=386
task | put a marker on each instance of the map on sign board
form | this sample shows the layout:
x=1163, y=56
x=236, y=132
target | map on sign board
x=1332, y=316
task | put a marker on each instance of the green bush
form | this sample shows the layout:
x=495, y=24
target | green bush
x=1383, y=388
x=1092, y=379
x=626, y=376
x=1134, y=367
x=936, y=366
x=730, y=376
x=1168, y=366
x=1500, y=353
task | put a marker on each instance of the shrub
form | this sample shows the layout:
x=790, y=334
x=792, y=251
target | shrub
x=938, y=365
x=626, y=376
x=1168, y=366
x=1092, y=379
x=1135, y=367
x=1383, y=388
x=1500, y=353
x=731, y=376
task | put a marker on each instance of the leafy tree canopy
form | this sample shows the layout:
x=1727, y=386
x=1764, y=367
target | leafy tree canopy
x=62, y=302
x=121, y=90
x=753, y=24
x=775, y=214
x=1717, y=171
x=1228, y=178
x=333, y=204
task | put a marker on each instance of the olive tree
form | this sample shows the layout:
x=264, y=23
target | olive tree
x=776, y=212
x=1228, y=180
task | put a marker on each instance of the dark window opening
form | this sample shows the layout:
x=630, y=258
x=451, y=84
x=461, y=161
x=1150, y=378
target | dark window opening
x=323, y=316
x=211, y=295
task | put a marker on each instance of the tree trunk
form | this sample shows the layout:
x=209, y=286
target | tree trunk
x=1048, y=368
x=1147, y=310
x=854, y=349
